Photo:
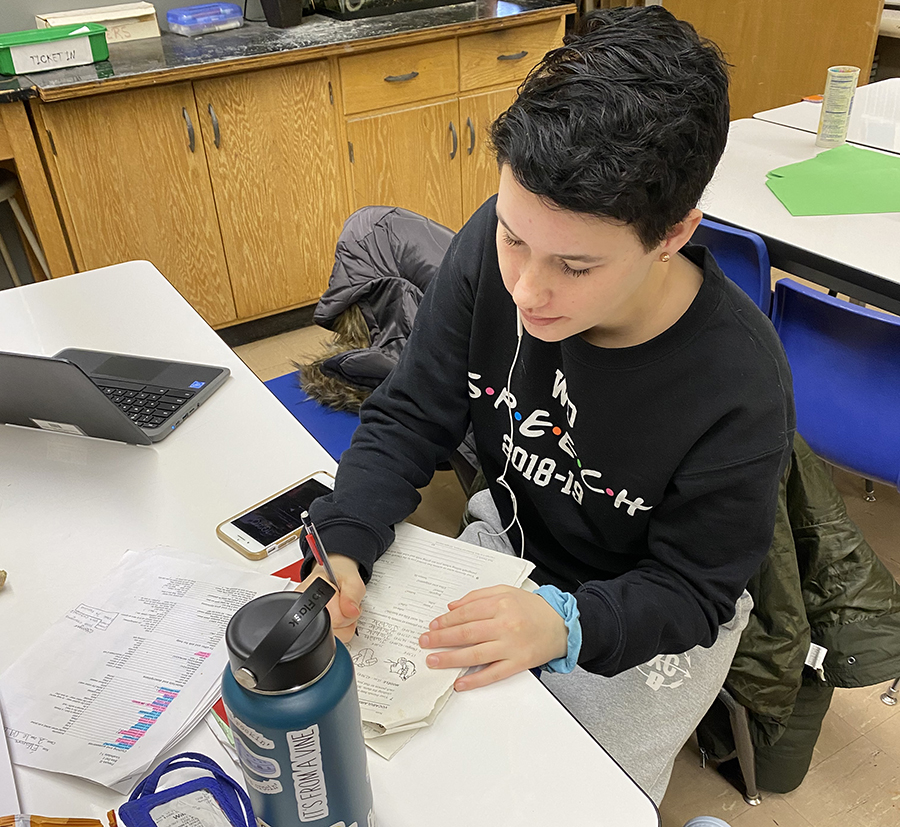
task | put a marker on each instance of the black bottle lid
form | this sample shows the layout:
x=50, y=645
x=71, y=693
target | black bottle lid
x=283, y=641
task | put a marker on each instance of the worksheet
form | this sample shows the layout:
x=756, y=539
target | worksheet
x=412, y=584
x=128, y=669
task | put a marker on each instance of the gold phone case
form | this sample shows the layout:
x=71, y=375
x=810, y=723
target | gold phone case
x=281, y=541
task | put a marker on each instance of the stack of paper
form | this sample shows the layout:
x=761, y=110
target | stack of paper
x=412, y=585
x=129, y=670
x=845, y=180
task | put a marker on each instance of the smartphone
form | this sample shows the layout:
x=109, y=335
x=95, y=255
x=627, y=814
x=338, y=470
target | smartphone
x=275, y=522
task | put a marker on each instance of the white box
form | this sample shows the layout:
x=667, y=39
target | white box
x=126, y=21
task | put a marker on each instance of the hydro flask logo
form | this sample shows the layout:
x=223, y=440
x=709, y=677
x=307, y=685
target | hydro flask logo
x=305, y=608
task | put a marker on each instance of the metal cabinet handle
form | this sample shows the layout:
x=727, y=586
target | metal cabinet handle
x=516, y=56
x=190, y=128
x=217, y=137
x=455, y=141
x=401, y=78
x=471, y=128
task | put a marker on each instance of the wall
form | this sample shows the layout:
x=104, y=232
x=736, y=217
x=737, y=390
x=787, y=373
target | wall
x=19, y=14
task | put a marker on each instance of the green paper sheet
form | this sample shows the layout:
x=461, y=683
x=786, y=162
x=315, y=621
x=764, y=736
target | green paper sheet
x=840, y=181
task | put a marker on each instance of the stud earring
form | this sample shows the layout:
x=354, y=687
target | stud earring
x=664, y=257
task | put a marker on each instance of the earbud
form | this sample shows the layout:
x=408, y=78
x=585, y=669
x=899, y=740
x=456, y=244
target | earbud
x=519, y=327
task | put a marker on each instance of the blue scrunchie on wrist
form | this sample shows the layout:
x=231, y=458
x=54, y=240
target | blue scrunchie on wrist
x=565, y=605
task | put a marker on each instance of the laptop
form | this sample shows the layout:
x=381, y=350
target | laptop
x=100, y=394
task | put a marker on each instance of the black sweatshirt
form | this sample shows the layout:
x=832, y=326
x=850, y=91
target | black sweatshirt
x=646, y=477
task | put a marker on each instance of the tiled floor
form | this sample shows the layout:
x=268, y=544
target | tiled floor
x=854, y=780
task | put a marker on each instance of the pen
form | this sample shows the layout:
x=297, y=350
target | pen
x=318, y=550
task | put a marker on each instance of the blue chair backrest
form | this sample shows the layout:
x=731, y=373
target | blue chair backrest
x=742, y=256
x=845, y=360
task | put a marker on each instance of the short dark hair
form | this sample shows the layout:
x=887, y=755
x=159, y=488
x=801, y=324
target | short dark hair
x=626, y=121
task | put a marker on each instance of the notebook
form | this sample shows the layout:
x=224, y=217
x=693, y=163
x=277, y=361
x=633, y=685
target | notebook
x=105, y=395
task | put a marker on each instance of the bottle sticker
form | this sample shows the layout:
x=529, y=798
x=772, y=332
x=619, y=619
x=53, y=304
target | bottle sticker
x=268, y=787
x=58, y=427
x=195, y=809
x=306, y=771
x=261, y=765
x=256, y=737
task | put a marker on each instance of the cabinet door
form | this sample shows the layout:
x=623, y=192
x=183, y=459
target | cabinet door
x=274, y=157
x=137, y=187
x=480, y=174
x=780, y=51
x=409, y=159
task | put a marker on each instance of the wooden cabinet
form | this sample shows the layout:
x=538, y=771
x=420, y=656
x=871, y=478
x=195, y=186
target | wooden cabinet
x=409, y=158
x=235, y=179
x=780, y=51
x=231, y=186
x=272, y=143
x=136, y=186
x=505, y=56
x=480, y=174
x=417, y=118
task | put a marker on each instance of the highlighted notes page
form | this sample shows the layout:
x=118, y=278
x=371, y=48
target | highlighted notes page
x=129, y=667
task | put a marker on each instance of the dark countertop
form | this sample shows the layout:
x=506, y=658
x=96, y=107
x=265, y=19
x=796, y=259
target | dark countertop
x=16, y=89
x=172, y=52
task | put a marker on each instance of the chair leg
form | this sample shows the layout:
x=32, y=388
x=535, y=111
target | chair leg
x=890, y=694
x=740, y=728
x=29, y=234
x=870, y=491
x=7, y=260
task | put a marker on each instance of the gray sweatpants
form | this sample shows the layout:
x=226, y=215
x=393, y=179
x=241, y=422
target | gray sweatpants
x=643, y=716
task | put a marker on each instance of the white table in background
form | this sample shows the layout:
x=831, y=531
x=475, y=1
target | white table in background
x=874, y=117
x=70, y=507
x=857, y=255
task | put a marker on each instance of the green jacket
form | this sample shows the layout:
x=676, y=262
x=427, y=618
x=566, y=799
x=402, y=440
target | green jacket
x=820, y=582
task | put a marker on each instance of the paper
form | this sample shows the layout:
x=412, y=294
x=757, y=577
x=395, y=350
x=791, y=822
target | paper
x=845, y=180
x=9, y=800
x=412, y=584
x=129, y=669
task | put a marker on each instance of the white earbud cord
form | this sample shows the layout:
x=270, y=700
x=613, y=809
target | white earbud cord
x=501, y=480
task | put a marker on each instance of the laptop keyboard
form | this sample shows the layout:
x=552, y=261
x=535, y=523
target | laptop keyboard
x=147, y=405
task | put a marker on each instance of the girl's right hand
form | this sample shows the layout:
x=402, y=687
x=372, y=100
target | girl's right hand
x=344, y=607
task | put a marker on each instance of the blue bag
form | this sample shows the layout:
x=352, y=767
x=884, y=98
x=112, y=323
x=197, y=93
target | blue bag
x=207, y=798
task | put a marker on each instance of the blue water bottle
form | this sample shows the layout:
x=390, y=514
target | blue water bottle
x=291, y=700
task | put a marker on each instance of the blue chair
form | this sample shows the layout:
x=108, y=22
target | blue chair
x=742, y=256
x=846, y=365
x=333, y=430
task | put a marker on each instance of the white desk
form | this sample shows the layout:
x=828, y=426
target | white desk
x=874, y=118
x=853, y=254
x=70, y=507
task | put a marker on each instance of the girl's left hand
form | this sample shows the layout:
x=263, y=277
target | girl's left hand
x=507, y=630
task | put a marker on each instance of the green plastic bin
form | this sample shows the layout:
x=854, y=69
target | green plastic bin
x=37, y=50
